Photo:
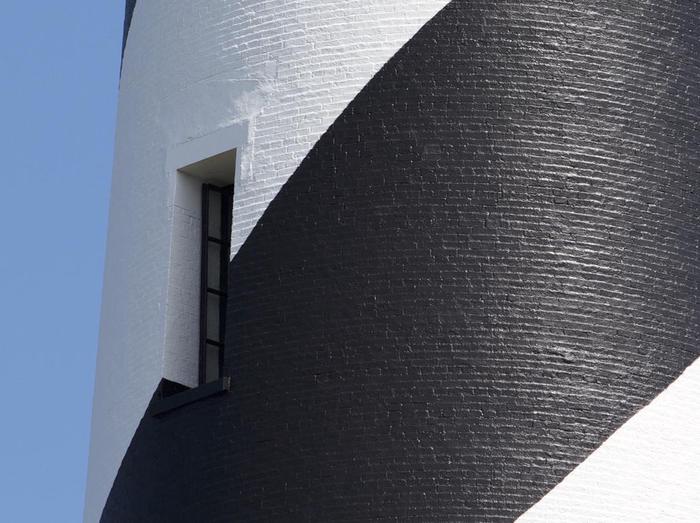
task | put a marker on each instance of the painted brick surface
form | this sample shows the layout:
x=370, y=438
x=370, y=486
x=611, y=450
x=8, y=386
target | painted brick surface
x=284, y=69
x=485, y=267
x=648, y=471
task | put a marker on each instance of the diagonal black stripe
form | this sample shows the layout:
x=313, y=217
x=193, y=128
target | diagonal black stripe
x=484, y=267
x=128, y=13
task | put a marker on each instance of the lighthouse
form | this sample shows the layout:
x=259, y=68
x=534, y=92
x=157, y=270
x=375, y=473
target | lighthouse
x=425, y=260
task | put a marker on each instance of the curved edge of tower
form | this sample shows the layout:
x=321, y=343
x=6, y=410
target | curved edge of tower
x=463, y=268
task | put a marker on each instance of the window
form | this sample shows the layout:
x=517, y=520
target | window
x=204, y=168
x=216, y=246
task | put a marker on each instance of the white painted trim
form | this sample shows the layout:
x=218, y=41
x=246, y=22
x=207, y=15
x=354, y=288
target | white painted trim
x=197, y=149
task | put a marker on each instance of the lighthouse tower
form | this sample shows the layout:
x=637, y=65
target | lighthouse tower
x=380, y=260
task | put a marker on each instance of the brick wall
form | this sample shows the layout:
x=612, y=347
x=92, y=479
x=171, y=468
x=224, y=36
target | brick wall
x=284, y=70
x=485, y=267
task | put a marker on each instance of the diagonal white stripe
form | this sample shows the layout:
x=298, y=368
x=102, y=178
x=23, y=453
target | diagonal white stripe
x=647, y=471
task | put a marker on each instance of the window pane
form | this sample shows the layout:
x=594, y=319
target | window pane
x=215, y=214
x=212, y=364
x=214, y=266
x=213, y=302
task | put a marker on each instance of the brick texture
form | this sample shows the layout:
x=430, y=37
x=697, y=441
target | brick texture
x=282, y=69
x=486, y=265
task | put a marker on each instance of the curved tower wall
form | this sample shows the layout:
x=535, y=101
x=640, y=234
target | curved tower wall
x=464, y=267
x=266, y=77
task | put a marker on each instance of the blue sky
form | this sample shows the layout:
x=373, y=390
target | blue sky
x=58, y=99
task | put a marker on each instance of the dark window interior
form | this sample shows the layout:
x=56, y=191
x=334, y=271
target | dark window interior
x=216, y=246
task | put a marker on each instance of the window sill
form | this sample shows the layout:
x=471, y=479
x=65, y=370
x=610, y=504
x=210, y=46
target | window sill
x=180, y=399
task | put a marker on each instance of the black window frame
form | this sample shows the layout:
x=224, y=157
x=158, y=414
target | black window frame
x=224, y=243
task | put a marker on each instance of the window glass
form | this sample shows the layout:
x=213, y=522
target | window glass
x=214, y=266
x=215, y=214
x=213, y=310
x=212, y=365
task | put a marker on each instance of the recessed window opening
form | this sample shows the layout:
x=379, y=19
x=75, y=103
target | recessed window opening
x=202, y=248
x=217, y=205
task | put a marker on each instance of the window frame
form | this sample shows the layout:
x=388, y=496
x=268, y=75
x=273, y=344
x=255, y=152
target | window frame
x=224, y=243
